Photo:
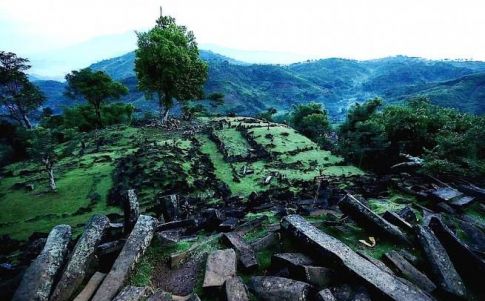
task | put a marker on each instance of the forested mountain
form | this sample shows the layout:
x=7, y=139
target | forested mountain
x=337, y=83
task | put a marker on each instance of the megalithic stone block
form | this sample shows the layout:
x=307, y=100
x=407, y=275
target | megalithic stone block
x=442, y=269
x=244, y=251
x=369, y=220
x=236, y=290
x=133, y=249
x=131, y=210
x=220, y=266
x=91, y=287
x=468, y=264
x=37, y=281
x=132, y=293
x=332, y=251
x=82, y=256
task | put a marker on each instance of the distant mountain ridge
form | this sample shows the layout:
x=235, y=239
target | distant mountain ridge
x=335, y=82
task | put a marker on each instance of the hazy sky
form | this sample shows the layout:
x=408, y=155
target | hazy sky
x=315, y=28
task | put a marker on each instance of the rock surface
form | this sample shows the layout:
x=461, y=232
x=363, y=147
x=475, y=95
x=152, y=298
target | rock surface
x=369, y=220
x=220, y=266
x=269, y=288
x=38, y=279
x=332, y=251
x=91, y=287
x=133, y=249
x=325, y=295
x=408, y=271
x=467, y=263
x=131, y=293
x=442, y=268
x=244, y=251
x=82, y=256
x=131, y=209
x=236, y=290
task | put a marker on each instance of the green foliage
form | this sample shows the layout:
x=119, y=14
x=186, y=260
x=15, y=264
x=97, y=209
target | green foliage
x=311, y=120
x=14, y=141
x=167, y=64
x=268, y=114
x=95, y=87
x=450, y=142
x=84, y=117
x=18, y=96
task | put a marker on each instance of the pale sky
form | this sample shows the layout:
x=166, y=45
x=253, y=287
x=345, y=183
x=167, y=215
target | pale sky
x=360, y=29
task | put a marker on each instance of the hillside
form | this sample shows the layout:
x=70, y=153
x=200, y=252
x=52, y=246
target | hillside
x=337, y=83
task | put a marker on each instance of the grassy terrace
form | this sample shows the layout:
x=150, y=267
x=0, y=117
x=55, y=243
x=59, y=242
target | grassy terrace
x=154, y=162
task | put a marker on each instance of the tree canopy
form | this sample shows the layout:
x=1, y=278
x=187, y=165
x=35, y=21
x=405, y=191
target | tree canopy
x=95, y=87
x=311, y=120
x=167, y=64
x=18, y=96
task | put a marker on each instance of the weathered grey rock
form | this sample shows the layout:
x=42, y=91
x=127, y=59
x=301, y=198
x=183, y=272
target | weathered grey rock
x=160, y=295
x=131, y=293
x=38, y=279
x=468, y=264
x=462, y=201
x=290, y=260
x=133, y=249
x=177, y=259
x=396, y=220
x=251, y=225
x=317, y=276
x=444, y=273
x=445, y=194
x=369, y=220
x=332, y=251
x=91, y=287
x=186, y=223
x=131, y=209
x=408, y=271
x=220, y=266
x=361, y=294
x=245, y=254
x=279, y=289
x=110, y=247
x=236, y=290
x=408, y=215
x=169, y=237
x=325, y=295
x=264, y=242
x=376, y=262
x=81, y=258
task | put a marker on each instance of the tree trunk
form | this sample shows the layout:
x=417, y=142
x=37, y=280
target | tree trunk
x=165, y=115
x=52, y=181
x=97, y=109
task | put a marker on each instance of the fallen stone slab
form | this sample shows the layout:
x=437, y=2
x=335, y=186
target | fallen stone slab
x=317, y=276
x=220, y=266
x=186, y=223
x=473, y=190
x=369, y=220
x=270, y=288
x=81, y=258
x=445, y=194
x=228, y=225
x=160, y=295
x=332, y=251
x=462, y=201
x=178, y=259
x=133, y=249
x=244, y=251
x=325, y=295
x=131, y=293
x=251, y=225
x=131, y=209
x=169, y=237
x=290, y=260
x=39, y=277
x=110, y=247
x=468, y=264
x=444, y=273
x=376, y=262
x=302, y=267
x=91, y=287
x=264, y=242
x=397, y=221
x=408, y=271
x=236, y=290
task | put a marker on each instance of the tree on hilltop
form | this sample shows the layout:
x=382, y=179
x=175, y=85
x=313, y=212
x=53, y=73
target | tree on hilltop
x=42, y=150
x=18, y=96
x=95, y=87
x=168, y=65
